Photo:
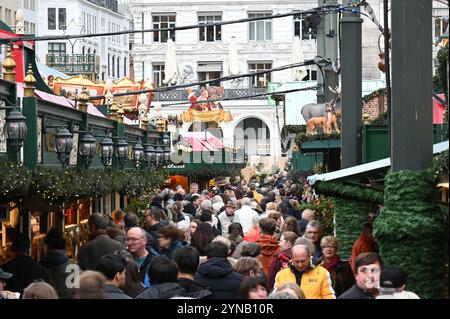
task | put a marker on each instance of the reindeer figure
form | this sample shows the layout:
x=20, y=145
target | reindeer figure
x=330, y=118
x=315, y=122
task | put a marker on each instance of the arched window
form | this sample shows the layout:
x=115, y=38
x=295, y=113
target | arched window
x=118, y=66
x=113, y=65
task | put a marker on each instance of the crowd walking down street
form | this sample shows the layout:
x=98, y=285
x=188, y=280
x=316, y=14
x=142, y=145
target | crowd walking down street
x=206, y=245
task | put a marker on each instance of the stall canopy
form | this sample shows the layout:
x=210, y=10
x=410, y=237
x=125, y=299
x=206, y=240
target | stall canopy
x=45, y=71
x=203, y=141
x=365, y=169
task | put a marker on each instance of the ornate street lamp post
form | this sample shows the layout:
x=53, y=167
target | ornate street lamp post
x=15, y=129
x=138, y=153
x=63, y=145
x=149, y=156
x=106, y=151
x=122, y=152
x=87, y=148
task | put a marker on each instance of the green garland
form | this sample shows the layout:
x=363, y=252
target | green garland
x=57, y=186
x=350, y=218
x=14, y=180
x=351, y=192
x=374, y=94
x=412, y=231
x=302, y=137
x=210, y=173
x=323, y=212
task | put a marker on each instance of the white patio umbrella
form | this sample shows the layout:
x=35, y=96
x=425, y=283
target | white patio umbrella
x=233, y=63
x=172, y=73
x=297, y=57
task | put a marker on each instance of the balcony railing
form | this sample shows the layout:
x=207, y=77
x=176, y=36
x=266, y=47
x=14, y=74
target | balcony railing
x=73, y=64
x=181, y=95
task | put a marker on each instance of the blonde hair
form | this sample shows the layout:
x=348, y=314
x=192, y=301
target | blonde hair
x=329, y=241
x=291, y=286
x=271, y=206
x=39, y=290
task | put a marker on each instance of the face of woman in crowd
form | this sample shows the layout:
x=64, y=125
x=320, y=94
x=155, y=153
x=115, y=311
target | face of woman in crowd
x=193, y=227
x=329, y=251
x=259, y=292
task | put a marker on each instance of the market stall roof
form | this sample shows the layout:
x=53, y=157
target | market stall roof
x=203, y=141
x=365, y=169
x=45, y=71
x=57, y=99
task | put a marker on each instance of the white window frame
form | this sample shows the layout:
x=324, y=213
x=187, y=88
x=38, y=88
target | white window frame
x=158, y=69
x=206, y=18
x=257, y=25
x=253, y=67
x=158, y=24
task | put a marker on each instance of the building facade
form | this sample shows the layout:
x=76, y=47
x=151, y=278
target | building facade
x=202, y=54
x=102, y=57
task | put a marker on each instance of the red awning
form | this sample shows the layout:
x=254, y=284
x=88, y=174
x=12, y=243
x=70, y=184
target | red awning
x=438, y=109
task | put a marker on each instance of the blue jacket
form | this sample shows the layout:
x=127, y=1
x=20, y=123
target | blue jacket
x=174, y=245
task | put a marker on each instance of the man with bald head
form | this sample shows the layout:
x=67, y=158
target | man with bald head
x=307, y=216
x=136, y=241
x=314, y=281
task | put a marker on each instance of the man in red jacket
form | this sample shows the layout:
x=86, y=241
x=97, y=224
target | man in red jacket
x=268, y=243
x=364, y=244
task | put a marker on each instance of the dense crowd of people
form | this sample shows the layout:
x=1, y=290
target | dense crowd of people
x=244, y=240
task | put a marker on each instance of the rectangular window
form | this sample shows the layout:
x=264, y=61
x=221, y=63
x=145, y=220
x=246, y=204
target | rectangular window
x=124, y=66
x=305, y=27
x=62, y=18
x=162, y=22
x=260, y=30
x=312, y=74
x=261, y=80
x=51, y=18
x=109, y=64
x=209, y=71
x=57, y=48
x=212, y=33
x=33, y=5
x=26, y=4
x=158, y=74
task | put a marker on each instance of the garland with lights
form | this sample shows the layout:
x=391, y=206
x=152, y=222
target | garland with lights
x=58, y=186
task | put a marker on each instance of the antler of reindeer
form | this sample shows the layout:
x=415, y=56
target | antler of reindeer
x=336, y=90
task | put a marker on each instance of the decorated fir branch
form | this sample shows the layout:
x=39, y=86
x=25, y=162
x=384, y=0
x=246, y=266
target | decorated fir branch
x=57, y=186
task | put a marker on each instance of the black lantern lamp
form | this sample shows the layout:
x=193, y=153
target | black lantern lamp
x=15, y=129
x=63, y=145
x=159, y=154
x=167, y=154
x=87, y=148
x=212, y=160
x=106, y=150
x=138, y=153
x=122, y=152
x=149, y=155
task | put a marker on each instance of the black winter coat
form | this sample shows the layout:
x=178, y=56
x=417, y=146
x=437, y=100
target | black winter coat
x=194, y=290
x=25, y=270
x=165, y=290
x=90, y=253
x=218, y=276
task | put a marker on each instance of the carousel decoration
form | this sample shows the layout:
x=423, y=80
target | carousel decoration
x=206, y=111
x=75, y=86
